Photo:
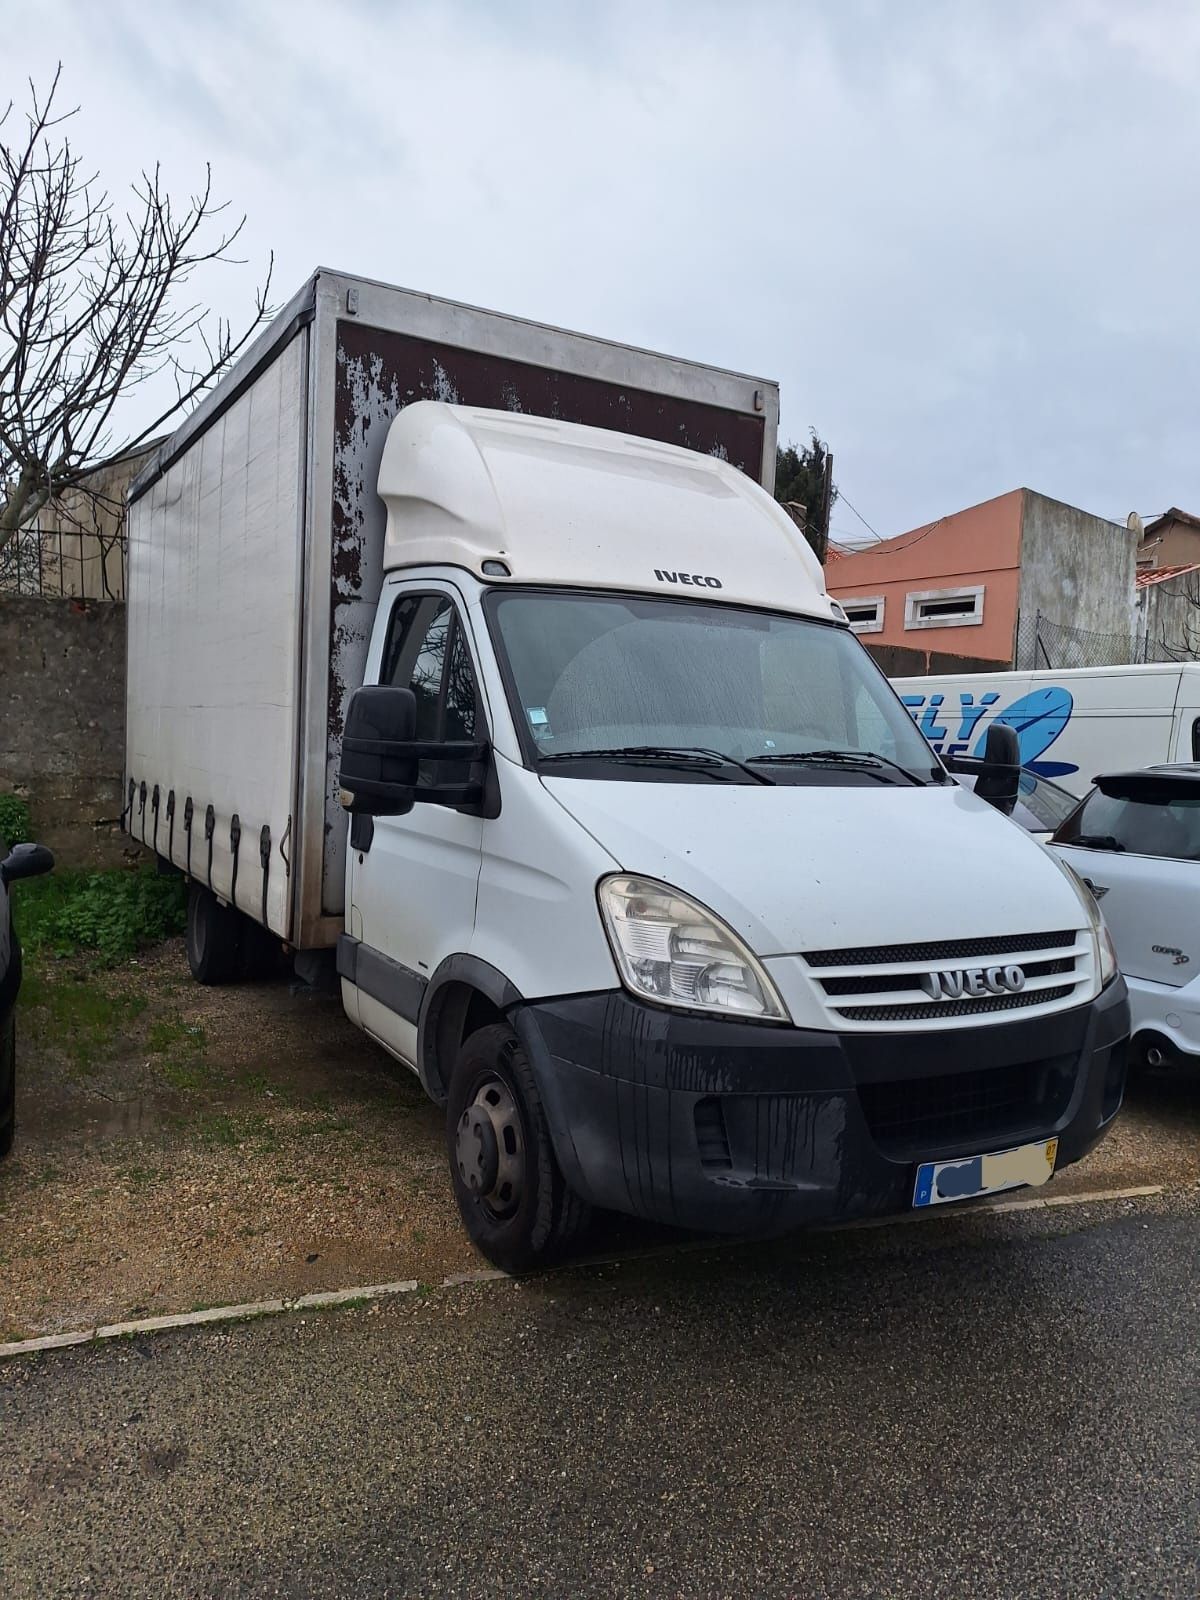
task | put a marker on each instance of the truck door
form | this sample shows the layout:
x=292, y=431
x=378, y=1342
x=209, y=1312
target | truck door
x=414, y=879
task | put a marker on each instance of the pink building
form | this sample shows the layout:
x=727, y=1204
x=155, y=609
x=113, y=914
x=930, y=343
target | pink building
x=959, y=586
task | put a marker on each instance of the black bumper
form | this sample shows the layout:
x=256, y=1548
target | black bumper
x=746, y=1128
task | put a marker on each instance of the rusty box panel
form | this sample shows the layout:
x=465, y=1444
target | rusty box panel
x=378, y=373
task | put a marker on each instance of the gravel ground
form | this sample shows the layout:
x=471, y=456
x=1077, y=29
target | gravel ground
x=183, y=1147
x=998, y=1406
x=215, y=1146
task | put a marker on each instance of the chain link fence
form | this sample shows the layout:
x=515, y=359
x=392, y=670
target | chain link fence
x=1042, y=642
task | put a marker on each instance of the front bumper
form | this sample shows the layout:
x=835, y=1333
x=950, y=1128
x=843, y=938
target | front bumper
x=744, y=1128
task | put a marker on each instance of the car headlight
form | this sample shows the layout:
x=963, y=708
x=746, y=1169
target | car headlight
x=671, y=950
x=1106, y=953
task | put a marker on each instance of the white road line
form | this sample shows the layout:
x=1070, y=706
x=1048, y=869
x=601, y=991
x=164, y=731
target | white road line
x=381, y=1291
x=991, y=1208
x=193, y=1319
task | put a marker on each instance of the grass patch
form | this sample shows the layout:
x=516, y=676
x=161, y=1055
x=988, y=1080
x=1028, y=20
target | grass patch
x=81, y=1018
x=181, y=1044
x=142, y=1177
x=224, y=1130
x=112, y=915
x=15, y=821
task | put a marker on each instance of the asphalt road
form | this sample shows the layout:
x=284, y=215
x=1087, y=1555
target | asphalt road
x=1003, y=1406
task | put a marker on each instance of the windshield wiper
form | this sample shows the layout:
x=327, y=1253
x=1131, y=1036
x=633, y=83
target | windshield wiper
x=1095, y=841
x=683, y=756
x=863, y=759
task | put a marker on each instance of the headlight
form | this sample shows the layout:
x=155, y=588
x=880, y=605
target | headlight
x=670, y=949
x=1106, y=954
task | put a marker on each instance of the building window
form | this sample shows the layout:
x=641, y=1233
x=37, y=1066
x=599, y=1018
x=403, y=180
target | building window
x=943, y=608
x=864, y=613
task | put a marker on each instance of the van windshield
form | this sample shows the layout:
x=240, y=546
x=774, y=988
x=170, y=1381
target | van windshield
x=676, y=690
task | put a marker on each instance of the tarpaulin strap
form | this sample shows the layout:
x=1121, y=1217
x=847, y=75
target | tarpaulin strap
x=187, y=828
x=235, y=840
x=128, y=811
x=264, y=856
x=154, y=804
x=171, y=825
x=210, y=823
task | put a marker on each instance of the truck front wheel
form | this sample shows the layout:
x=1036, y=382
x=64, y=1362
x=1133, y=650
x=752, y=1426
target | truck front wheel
x=213, y=937
x=514, y=1200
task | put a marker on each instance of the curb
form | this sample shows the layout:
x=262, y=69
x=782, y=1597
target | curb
x=251, y=1309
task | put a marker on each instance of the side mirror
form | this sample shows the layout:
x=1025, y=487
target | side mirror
x=379, y=766
x=26, y=861
x=999, y=780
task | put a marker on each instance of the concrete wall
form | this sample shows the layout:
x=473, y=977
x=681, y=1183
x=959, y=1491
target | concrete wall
x=1169, y=618
x=62, y=731
x=967, y=549
x=1077, y=570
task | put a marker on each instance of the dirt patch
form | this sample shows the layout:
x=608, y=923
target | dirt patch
x=181, y=1147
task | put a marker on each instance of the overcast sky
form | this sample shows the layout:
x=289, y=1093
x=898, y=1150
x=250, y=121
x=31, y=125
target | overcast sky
x=964, y=236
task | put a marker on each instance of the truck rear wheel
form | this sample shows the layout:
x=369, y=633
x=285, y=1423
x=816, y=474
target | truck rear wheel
x=514, y=1201
x=213, y=937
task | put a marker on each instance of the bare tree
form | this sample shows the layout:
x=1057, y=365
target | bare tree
x=90, y=309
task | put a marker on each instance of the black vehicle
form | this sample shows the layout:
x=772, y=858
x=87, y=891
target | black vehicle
x=23, y=861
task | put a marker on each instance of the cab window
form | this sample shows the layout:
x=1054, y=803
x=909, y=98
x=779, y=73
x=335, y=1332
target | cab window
x=426, y=651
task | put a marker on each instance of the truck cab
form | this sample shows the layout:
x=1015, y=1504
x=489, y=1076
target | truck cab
x=653, y=881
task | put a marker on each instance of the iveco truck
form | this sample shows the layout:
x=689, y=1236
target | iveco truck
x=475, y=660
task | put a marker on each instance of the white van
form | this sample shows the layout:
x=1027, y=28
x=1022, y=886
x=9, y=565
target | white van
x=649, y=876
x=1071, y=724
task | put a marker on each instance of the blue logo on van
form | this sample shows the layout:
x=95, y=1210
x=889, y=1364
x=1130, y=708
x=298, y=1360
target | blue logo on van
x=1038, y=719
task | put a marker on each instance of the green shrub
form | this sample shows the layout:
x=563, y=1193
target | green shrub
x=111, y=913
x=15, y=822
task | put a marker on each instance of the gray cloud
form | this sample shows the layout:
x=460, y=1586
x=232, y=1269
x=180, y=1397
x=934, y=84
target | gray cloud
x=961, y=236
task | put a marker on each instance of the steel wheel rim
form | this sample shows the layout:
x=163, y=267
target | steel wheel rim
x=489, y=1148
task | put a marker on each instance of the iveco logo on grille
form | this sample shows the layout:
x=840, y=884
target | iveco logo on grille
x=972, y=983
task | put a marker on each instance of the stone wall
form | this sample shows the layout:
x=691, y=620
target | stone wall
x=902, y=661
x=62, y=722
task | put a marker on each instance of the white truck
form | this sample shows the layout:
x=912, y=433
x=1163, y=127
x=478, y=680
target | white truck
x=476, y=656
x=1070, y=724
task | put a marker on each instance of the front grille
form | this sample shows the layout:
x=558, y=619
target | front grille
x=955, y=1008
x=967, y=1110
x=939, y=950
x=899, y=982
x=885, y=986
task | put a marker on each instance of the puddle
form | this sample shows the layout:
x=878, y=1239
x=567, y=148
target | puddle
x=44, y=1121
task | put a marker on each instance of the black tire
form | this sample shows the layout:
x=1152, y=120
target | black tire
x=8, y=1083
x=535, y=1222
x=214, y=936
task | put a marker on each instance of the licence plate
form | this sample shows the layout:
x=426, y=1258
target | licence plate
x=1026, y=1166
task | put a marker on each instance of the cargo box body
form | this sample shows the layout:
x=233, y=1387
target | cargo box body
x=255, y=561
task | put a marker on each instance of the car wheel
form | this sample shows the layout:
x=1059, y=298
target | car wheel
x=8, y=1083
x=213, y=937
x=513, y=1198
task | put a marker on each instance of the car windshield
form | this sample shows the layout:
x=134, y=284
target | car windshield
x=689, y=689
x=1048, y=803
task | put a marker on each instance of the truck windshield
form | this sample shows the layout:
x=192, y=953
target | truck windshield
x=676, y=690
